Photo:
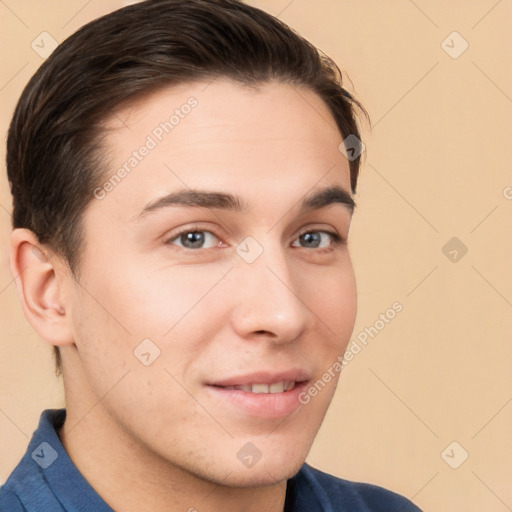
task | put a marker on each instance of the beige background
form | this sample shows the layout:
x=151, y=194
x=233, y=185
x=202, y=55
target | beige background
x=437, y=167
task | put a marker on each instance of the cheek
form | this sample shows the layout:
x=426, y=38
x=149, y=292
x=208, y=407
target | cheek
x=176, y=308
x=113, y=366
x=334, y=302
x=171, y=294
x=146, y=301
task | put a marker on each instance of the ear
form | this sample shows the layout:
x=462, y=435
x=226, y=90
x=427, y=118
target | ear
x=40, y=287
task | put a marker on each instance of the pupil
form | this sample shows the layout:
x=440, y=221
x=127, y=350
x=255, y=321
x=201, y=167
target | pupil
x=313, y=239
x=192, y=239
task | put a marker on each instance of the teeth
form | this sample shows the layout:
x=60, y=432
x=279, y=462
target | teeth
x=260, y=388
x=275, y=387
x=290, y=385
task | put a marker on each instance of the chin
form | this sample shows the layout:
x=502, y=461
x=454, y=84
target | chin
x=273, y=467
x=262, y=476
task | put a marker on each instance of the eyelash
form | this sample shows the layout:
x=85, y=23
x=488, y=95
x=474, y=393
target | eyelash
x=337, y=239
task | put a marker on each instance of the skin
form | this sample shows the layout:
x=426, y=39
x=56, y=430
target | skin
x=150, y=437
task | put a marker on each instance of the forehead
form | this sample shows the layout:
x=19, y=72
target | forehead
x=269, y=142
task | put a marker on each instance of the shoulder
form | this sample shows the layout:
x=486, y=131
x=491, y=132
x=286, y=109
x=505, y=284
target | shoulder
x=9, y=501
x=26, y=488
x=355, y=496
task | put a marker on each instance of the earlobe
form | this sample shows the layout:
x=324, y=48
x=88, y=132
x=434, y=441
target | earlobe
x=39, y=288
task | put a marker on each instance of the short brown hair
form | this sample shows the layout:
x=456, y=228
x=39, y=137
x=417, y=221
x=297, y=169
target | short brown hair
x=54, y=159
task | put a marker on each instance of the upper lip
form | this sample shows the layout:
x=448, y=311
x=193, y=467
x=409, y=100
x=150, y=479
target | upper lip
x=264, y=377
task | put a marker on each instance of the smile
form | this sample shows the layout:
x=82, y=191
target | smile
x=275, y=387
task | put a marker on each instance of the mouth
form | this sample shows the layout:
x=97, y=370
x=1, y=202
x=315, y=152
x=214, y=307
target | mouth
x=261, y=394
x=274, y=387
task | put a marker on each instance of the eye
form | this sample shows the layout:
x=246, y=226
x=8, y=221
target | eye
x=203, y=239
x=195, y=239
x=318, y=239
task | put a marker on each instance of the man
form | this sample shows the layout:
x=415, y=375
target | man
x=181, y=214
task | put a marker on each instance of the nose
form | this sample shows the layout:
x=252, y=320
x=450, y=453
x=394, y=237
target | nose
x=268, y=304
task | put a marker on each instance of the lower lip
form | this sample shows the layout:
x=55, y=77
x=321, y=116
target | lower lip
x=263, y=405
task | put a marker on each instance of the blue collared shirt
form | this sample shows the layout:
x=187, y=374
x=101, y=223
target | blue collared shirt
x=46, y=480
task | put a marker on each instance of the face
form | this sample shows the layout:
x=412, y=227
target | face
x=208, y=249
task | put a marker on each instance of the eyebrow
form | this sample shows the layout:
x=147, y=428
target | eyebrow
x=220, y=200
